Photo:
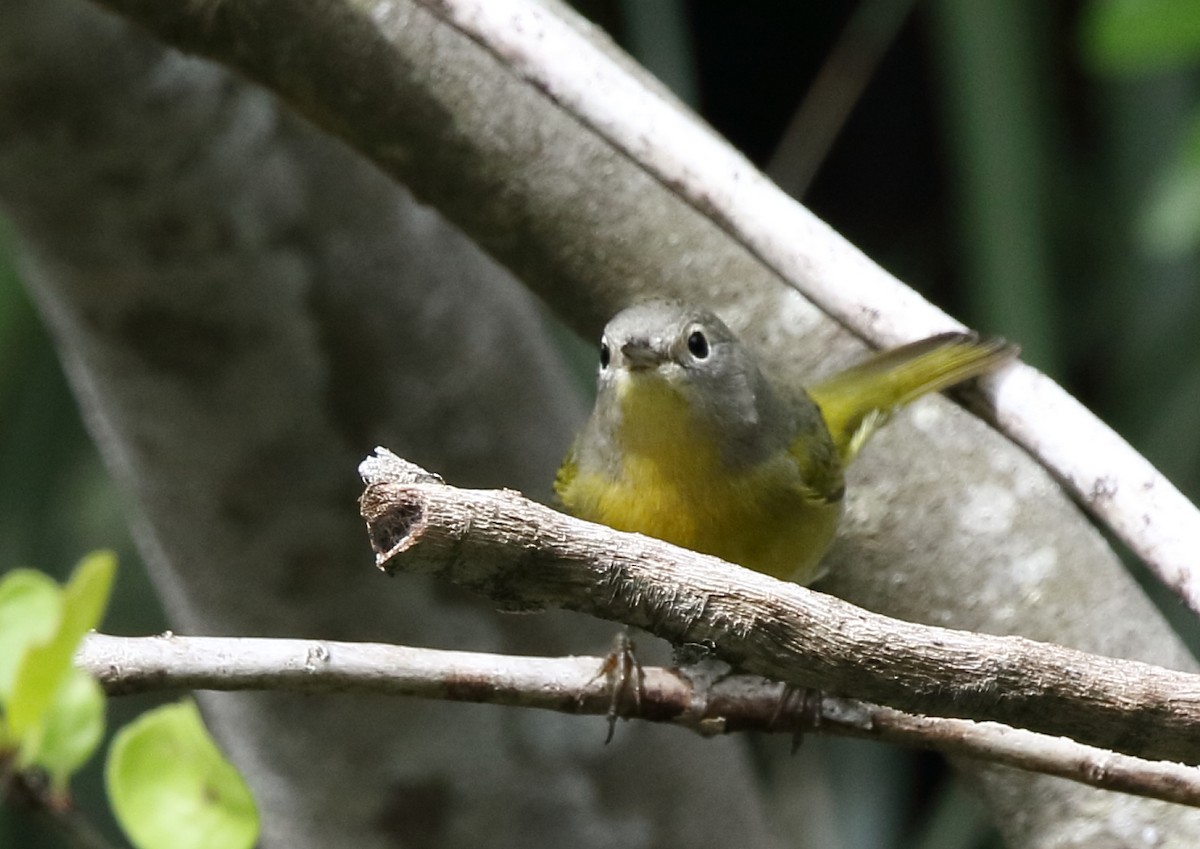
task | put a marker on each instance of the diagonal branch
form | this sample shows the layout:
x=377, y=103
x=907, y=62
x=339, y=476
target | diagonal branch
x=705, y=704
x=526, y=556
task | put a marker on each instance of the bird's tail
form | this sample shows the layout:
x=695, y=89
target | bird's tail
x=857, y=401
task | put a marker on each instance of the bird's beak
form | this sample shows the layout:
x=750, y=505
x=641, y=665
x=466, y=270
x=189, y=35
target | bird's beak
x=640, y=355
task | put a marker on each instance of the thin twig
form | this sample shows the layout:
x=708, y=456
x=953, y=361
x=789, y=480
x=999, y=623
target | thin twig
x=705, y=703
x=835, y=92
x=525, y=556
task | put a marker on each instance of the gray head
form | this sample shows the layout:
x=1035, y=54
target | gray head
x=691, y=352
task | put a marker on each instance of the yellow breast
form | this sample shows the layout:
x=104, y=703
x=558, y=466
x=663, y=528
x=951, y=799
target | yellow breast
x=672, y=483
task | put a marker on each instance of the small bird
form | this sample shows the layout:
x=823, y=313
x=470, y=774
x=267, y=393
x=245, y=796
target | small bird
x=689, y=441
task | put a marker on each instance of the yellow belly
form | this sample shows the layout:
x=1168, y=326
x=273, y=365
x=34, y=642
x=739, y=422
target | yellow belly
x=761, y=519
x=670, y=481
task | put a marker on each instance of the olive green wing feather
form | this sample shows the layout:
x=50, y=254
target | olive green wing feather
x=858, y=401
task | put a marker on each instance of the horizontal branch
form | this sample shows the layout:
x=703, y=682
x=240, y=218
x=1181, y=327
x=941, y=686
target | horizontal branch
x=525, y=556
x=705, y=704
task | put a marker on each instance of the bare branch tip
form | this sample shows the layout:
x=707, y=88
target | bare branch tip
x=395, y=527
x=385, y=467
x=394, y=514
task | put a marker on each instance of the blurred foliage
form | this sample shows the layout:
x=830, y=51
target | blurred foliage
x=1140, y=36
x=173, y=789
x=1032, y=167
x=1169, y=226
x=169, y=785
x=1132, y=39
x=53, y=713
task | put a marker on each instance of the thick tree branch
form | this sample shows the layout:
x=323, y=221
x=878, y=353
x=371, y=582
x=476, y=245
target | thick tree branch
x=705, y=704
x=525, y=556
x=1116, y=483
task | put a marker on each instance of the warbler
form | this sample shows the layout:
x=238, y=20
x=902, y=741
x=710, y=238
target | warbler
x=691, y=443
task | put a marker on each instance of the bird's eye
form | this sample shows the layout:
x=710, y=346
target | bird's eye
x=605, y=355
x=698, y=344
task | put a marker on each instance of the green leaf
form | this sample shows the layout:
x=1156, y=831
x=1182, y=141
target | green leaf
x=170, y=786
x=87, y=592
x=45, y=666
x=1169, y=224
x=30, y=608
x=1140, y=36
x=71, y=730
